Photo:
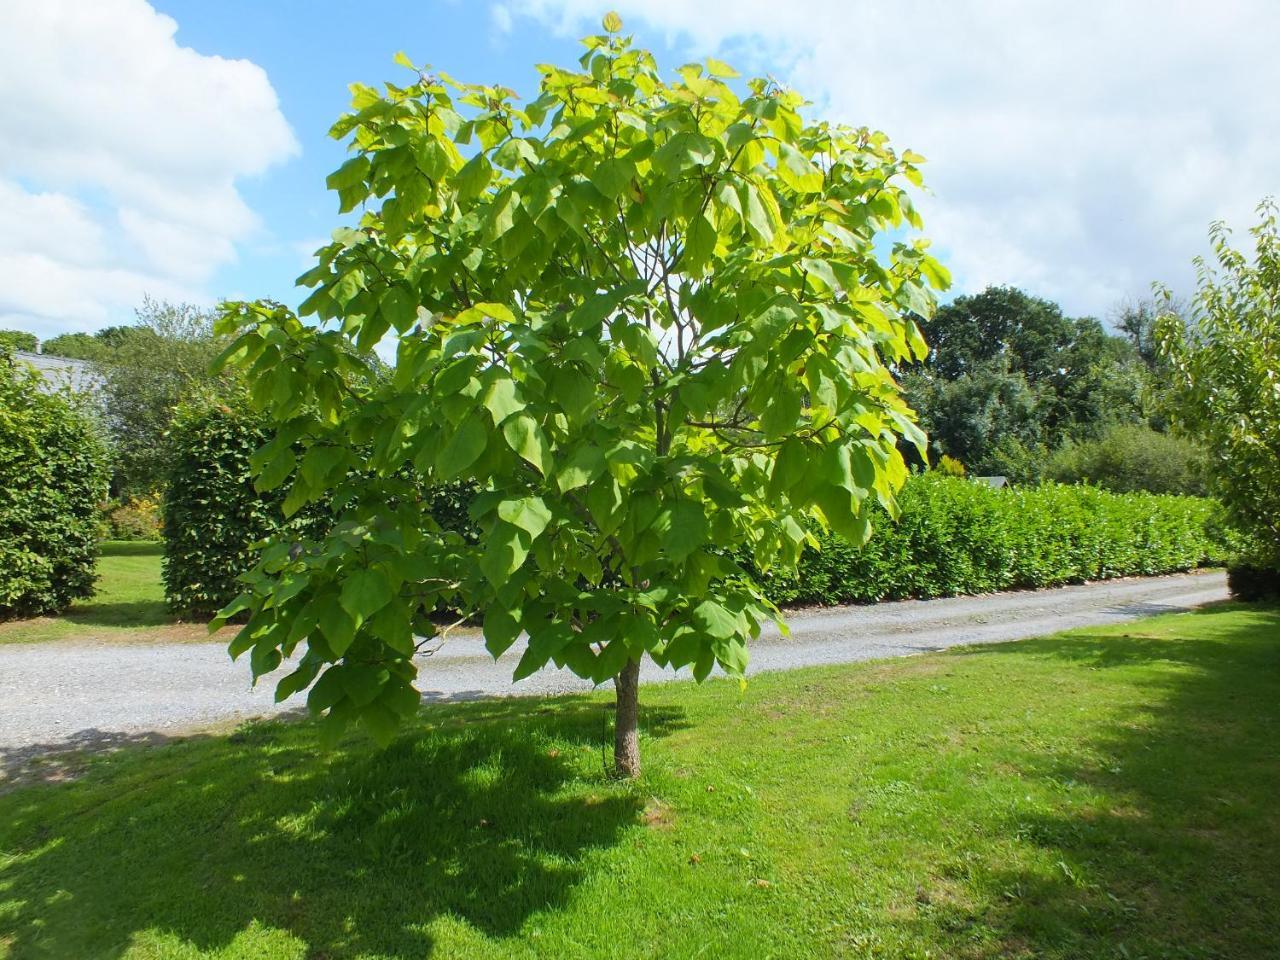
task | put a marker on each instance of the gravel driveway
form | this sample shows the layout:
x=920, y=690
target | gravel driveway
x=63, y=695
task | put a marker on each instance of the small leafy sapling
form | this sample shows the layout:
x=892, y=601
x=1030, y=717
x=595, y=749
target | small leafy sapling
x=648, y=319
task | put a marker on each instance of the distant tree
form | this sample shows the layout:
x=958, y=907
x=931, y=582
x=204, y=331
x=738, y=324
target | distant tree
x=1130, y=457
x=75, y=346
x=1010, y=377
x=18, y=340
x=148, y=369
x=1224, y=369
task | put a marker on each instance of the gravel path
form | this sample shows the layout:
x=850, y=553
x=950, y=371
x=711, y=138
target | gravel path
x=64, y=695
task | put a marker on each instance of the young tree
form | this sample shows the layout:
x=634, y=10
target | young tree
x=1225, y=374
x=18, y=340
x=646, y=318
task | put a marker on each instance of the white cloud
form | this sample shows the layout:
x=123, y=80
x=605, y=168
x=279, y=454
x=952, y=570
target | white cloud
x=1077, y=149
x=122, y=150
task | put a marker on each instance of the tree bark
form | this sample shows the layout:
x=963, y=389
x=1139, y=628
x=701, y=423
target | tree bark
x=626, y=726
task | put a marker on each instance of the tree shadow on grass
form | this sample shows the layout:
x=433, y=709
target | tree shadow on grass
x=483, y=814
x=1175, y=851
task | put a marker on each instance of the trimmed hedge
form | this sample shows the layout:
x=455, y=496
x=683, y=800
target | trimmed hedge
x=53, y=476
x=954, y=536
x=1250, y=583
x=958, y=537
x=212, y=514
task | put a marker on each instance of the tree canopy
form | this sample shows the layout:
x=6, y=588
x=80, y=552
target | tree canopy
x=1224, y=374
x=648, y=318
x=1011, y=377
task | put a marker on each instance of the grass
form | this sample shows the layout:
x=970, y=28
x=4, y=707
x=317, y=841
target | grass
x=127, y=606
x=1108, y=793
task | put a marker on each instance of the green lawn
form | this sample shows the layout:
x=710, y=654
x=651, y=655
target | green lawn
x=1099, y=794
x=127, y=606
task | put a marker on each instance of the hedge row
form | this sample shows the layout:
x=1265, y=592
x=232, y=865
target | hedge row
x=953, y=537
x=213, y=516
x=958, y=537
x=53, y=476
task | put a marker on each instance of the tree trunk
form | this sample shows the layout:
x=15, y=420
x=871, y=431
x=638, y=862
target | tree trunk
x=626, y=726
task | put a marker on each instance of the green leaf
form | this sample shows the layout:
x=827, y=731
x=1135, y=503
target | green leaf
x=528, y=513
x=463, y=448
x=684, y=530
x=612, y=22
x=365, y=592
x=613, y=177
x=526, y=438
x=501, y=400
x=501, y=627
x=350, y=174
x=504, y=552
x=682, y=151
x=716, y=620
x=581, y=468
x=797, y=171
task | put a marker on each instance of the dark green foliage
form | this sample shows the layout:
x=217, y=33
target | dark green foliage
x=1010, y=377
x=52, y=479
x=1132, y=457
x=1249, y=582
x=957, y=537
x=212, y=514
x=18, y=340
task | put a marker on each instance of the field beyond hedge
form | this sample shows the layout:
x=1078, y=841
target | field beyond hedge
x=1107, y=793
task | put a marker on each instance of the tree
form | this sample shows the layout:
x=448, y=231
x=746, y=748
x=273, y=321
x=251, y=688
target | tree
x=148, y=369
x=11, y=340
x=1011, y=377
x=1225, y=374
x=647, y=319
x=75, y=346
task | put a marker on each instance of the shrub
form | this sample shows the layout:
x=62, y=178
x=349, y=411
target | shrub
x=212, y=514
x=53, y=475
x=953, y=536
x=957, y=537
x=134, y=518
x=1249, y=582
x=1128, y=458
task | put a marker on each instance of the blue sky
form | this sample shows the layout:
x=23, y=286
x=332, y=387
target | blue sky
x=178, y=148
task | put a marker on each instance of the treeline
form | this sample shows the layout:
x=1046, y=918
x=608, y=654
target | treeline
x=1014, y=387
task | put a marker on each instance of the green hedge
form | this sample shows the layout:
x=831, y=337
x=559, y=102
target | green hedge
x=954, y=536
x=212, y=514
x=53, y=476
x=958, y=536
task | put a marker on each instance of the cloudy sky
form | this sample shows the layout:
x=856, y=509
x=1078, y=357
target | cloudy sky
x=179, y=149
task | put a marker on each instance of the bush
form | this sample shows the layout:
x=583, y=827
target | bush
x=1129, y=458
x=1248, y=582
x=212, y=514
x=957, y=537
x=53, y=475
x=134, y=518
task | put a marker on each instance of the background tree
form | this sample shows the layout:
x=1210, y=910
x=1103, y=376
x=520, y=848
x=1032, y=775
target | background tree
x=647, y=319
x=148, y=369
x=1010, y=378
x=11, y=340
x=1224, y=364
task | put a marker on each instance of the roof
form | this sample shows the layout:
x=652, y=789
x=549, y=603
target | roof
x=58, y=372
